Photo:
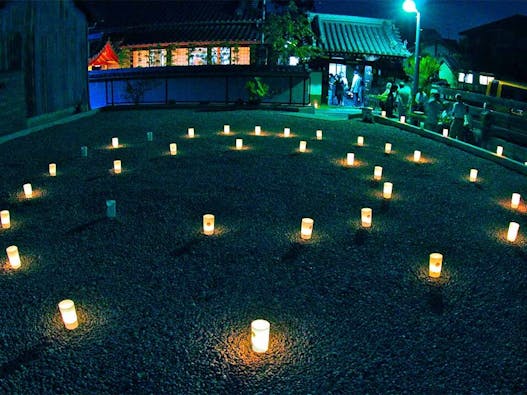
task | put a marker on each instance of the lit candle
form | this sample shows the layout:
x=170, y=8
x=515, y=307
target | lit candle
x=350, y=159
x=68, y=313
x=239, y=143
x=434, y=266
x=306, y=228
x=117, y=166
x=499, y=150
x=366, y=217
x=319, y=134
x=257, y=130
x=377, y=172
x=383, y=114
x=191, y=132
x=13, y=256
x=115, y=142
x=302, y=146
x=226, y=129
x=315, y=104
x=28, y=190
x=417, y=156
x=84, y=151
x=173, y=149
x=52, y=169
x=111, y=210
x=445, y=132
x=515, y=200
x=287, y=132
x=402, y=119
x=387, y=190
x=6, y=221
x=360, y=141
x=208, y=224
x=260, y=335
x=473, y=175
x=422, y=125
x=387, y=148
x=149, y=136
x=513, y=231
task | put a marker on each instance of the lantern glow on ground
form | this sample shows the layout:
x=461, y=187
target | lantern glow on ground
x=28, y=190
x=208, y=224
x=306, y=228
x=69, y=314
x=387, y=190
x=377, y=173
x=512, y=233
x=473, y=175
x=117, y=166
x=5, y=218
x=260, y=335
x=52, y=169
x=366, y=217
x=173, y=149
x=302, y=146
x=515, y=200
x=13, y=256
x=190, y=132
x=435, y=264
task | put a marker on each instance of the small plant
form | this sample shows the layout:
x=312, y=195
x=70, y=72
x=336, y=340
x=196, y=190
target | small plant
x=135, y=91
x=257, y=90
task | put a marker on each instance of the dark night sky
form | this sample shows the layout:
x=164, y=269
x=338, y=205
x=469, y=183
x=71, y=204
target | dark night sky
x=449, y=17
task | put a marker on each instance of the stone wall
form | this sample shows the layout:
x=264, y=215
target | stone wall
x=12, y=102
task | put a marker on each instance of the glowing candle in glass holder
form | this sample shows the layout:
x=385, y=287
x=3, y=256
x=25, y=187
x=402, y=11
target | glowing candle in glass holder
x=302, y=146
x=360, y=141
x=239, y=143
x=377, y=172
x=260, y=335
x=117, y=166
x=28, y=190
x=515, y=200
x=13, y=256
x=366, y=217
x=6, y=220
x=226, y=129
x=306, y=228
x=111, y=208
x=257, y=130
x=387, y=190
x=350, y=159
x=387, y=148
x=383, y=114
x=190, y=132
x=319, y=134
x=422, y=125
x=434, y=265
x=173, y=149
x=473, y=175
x=512, y=233
x=499, y=150
x=402, y=119
x=150, y=136
x=84, y=151
x=52, y=169
x=445, y=132
x=287, y=132
x=115, y=142
x=69, y=314
x=417, y=156
x=208, y=224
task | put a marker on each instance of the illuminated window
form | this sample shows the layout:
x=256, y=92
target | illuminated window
x=241, y=55
x=220, y=55
x=469, y=78
x=180, y=57
x=197, y=56
x=485, y=79
x=157, y=57
x=293, y=60
x=140, y=58
x=461, y=77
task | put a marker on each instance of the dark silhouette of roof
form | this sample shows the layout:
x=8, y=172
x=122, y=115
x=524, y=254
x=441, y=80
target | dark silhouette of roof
x=513, y=23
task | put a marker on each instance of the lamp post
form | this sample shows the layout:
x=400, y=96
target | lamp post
x=409, y=6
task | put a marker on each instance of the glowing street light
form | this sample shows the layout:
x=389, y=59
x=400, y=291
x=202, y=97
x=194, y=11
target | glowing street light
x=409, y=6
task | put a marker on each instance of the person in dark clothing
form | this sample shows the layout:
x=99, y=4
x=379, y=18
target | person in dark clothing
x=391, y=101
x=339, y=91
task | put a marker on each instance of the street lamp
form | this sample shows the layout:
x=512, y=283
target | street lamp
x=409, y=6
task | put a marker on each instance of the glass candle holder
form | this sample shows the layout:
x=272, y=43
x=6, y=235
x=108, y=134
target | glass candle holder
x=117, y=166
x=350, y=159
x=515, y=200
x=366, y=217
x=287, y=132
x=387, y=148
x=226, y=129
x=319, y=134
x=260, y=335
x=360, y=141
x=257, y=130
x=402, y=119
x=111, y=208
x=239, y=144
x=69, y=314
x=473, y=175
x=434, y=265
x=5, y=219
x=173, y=149
x=417, y=156
x=302, y=146
x=499, y=150
x=306, y=228
x=387, y=190
x=190, y=132
x=115, y=142
x=13, y=256
x=149, y=136
x=445, y=132
x=28, y=190
x=383, y=114
x=377, y=173
x=512, y=233
x=52, y=169
x=208, y=224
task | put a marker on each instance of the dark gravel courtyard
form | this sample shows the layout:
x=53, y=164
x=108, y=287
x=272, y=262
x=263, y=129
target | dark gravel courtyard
x=165, y=309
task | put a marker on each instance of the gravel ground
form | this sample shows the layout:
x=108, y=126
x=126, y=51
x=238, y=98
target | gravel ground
x=165, y=309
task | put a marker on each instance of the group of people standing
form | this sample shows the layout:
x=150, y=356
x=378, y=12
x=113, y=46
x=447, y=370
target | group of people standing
x=339, y=89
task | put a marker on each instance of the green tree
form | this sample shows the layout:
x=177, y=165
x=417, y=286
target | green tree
x=428, y=70
x=124, y=57
x=290, y=34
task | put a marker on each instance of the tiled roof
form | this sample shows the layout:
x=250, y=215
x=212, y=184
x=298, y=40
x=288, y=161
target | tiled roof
x=358, y=36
